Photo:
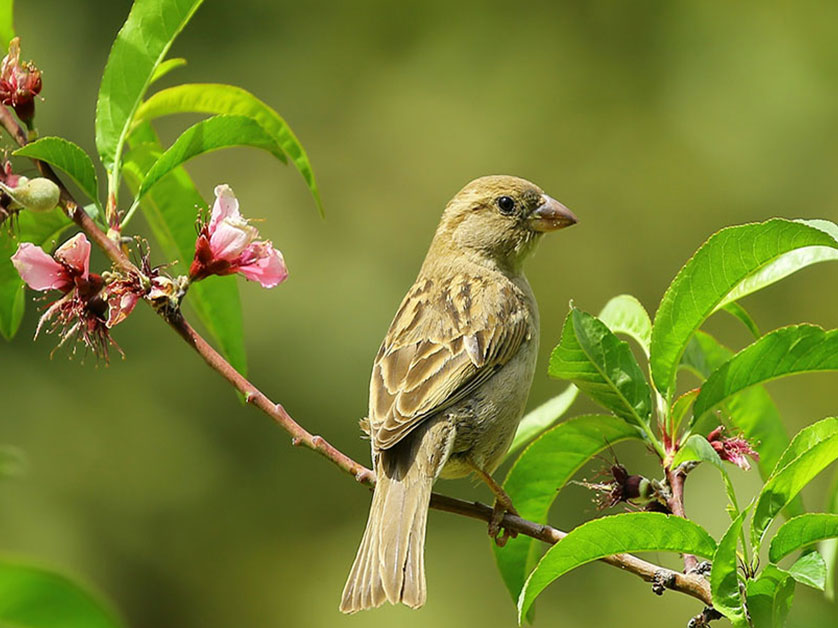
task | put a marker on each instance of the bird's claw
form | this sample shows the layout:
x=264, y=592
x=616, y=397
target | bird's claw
x=500, y=534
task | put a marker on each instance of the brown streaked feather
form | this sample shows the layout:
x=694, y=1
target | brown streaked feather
x=442, y=344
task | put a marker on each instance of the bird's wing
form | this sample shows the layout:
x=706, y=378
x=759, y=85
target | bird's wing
x=445, y=341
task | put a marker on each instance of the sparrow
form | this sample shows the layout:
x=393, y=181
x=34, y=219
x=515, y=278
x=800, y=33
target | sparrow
x=451, y=379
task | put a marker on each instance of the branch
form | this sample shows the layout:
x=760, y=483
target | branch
x=676, y=479
x=690, y=584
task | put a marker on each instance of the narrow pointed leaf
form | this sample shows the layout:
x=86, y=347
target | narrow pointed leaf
x=809, y=569
x=787, y=264
x=31, y=597
x=788, y=482
x=164, y=68
x=207, y=136
x=717, y=269
x=617, y=534
x=140, y=46
x=66, y=156
x=786, y=351
x=680, y=407
x=542, y=418
x=624, y=314
x=740, y=313
x=724, y=577
x=214, y=98
x=171, y=209
x=801, y=532
x=536, y=478
x=603, y=366
x=805, y=439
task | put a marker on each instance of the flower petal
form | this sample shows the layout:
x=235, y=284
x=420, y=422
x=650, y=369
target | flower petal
x=263, y=263
x=120, y=307
x=38, y=269
x=231, y=237
x=75, y=252
x=226, y=206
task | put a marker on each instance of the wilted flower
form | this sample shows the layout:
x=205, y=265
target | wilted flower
x=733, y=450
x=228, y=244
x=623, y=487
x=122, y=295
x=19, y=83
x=82, y=310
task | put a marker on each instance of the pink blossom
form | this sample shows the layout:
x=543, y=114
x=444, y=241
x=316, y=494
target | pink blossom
x=733, y=450
x=39, y=270
x=263, y=263
x=228, y=244
x=82, y=311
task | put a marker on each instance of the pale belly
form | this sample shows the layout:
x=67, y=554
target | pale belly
x=486, y=421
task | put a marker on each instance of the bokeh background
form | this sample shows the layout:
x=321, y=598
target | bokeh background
x=658, y=123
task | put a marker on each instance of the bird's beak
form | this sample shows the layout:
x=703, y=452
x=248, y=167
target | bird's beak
x=551, y=215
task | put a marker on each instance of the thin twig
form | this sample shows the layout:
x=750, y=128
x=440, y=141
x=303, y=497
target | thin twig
x=676, y=478
x=690, y=584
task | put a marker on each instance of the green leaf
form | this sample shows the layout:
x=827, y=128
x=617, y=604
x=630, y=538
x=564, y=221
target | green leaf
x=805, y=439
x=42, y=229
x=536, y=478
x=214, y=98
x=32, y=597
x=788, y=482
x=624, y=314
x=829, y=547
x=617, y=534
x=543, y=417
x=171, y=210
x=786, y=351
x=679, y=409
x=724, y=579
x=740, y=313
x=787, y=264
x=769, y=597
x=801, y=532
x=602, y=366
x=140, y=46
x=751, y=411
x=164, y=68
x=207, y=136
x=12, y=290
x=68, y=157
x=717, y=270
x=809, y=569
x=7, y=29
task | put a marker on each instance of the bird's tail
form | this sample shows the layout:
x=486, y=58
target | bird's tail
x=390, y=564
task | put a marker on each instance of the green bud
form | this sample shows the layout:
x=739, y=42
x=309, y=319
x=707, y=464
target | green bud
x=37, y=195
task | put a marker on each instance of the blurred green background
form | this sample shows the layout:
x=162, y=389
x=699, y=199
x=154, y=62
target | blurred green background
x=657, y=123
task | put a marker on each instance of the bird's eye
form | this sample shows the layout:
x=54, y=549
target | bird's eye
x=506, y=205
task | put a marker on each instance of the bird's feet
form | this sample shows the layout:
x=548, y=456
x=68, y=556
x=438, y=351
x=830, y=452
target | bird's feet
x=500, y=534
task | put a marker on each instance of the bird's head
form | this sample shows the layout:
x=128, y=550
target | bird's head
x=500, y=218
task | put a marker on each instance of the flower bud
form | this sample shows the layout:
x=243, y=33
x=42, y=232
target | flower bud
x=19, y=83
x=37, y=195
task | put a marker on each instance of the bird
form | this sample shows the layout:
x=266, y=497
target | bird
x=451, y=379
